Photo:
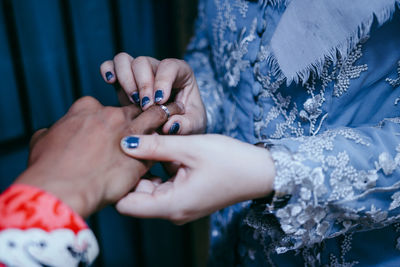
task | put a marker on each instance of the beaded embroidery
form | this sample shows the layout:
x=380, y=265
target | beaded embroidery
x=395, y=82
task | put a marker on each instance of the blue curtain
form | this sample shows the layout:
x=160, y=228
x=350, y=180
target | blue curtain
x=50, y=53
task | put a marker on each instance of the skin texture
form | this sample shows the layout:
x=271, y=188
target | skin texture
x=214, y=171
x=147, y=75
x=79, y=159
x=209, y=172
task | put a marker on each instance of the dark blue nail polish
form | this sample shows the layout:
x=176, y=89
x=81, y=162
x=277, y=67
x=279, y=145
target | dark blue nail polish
x=135, y=97
x=130, y=142
x=158, y=96
x=145, y=101
x=174, y=128
x=109, y=75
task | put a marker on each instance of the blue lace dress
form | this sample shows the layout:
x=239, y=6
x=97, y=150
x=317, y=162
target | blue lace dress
x=334, y=138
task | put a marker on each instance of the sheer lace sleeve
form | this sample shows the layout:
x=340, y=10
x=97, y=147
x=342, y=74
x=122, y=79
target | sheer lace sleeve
x=198, y=55
x=340, y=181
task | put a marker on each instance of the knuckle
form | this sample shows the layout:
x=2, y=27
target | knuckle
x=121, y=56
x=153, y=146
x=188, y=69
x=169, y=61
x=172, y=63
x=183, y=63
x=38, y=132
x=178, y=222
x=104, y=65
x=139, y=61
x=36, y=136
x=86, y=102
x=179, y=218
x=181, y=66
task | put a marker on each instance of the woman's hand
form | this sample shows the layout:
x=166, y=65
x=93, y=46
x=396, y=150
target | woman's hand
x=146, y=81
x=214, y=172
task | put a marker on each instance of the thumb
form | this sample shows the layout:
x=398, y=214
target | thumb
x=161, y=148
x=143, y=205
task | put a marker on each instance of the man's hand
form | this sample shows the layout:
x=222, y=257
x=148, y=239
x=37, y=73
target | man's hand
x=79, y=159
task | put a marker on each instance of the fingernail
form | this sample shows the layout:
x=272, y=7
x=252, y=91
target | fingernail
x=174, y=128
x=130, y=142
x=109, y=75
x=158, y=96
x=145, y=101
x=135, y=97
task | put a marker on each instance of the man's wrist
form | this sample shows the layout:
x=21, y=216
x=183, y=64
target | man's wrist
x=60, y=188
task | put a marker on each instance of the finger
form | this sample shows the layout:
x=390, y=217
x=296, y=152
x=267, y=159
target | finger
x=156, y=181
x=145, y=186
x=143, y=69
x=183, y=149
x=145, y=205
x=107, y=71
x=171, y=73
x=173, y=125
x=126, y=79
x=131, y=111
x=153, y=118
x=182, y=125
x=193, y=121
x=36, y=137
x=123, y=98
x=86, y=103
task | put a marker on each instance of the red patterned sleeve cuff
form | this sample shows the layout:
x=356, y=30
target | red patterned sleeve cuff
x=37, y=229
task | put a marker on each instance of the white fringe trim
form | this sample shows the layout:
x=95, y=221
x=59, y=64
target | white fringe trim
x=342, y=50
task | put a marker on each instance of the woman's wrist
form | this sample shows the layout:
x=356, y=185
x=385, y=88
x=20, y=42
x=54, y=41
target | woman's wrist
x=256, y=178
x=265, y=175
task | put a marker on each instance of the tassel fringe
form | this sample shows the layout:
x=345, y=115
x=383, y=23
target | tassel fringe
x=343, y=49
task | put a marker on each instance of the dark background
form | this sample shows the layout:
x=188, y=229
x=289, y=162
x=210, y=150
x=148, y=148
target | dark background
x=50, y=53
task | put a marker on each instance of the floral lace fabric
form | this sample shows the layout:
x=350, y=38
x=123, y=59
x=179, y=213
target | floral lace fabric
x=335, y=140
